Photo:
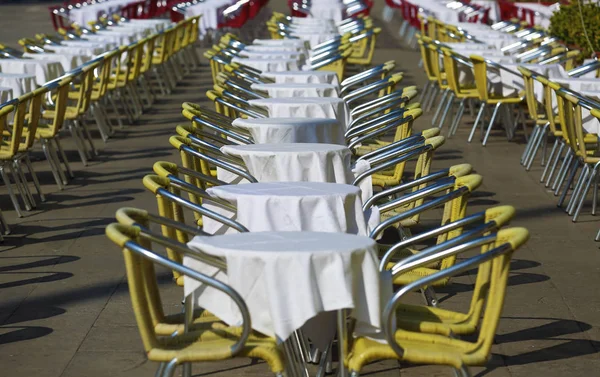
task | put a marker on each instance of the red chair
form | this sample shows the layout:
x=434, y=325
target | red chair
x=238, y=17
x=58, y=15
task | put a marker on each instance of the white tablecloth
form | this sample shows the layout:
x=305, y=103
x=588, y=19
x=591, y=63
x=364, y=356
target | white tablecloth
x=6, y=94
x=272, y=49
x=293, y=130
x=543, y=12
x=91, y=12
x=68, y=61
x=211, y=11
x=281, y=42
x=44, y=70
x=308, y=107
x=303, y=77
x=274, y=54
x=328, y=10
x=20, y=83
x=301, y=162
x=90, y=50
x=268, y=65
x=298, y=90
x=290, y=206
x=288, y=278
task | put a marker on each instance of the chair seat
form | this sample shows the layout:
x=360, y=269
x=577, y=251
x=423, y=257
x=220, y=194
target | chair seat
x=44, y=131
x=418, y=349
x=212, y=345
x=70, y=113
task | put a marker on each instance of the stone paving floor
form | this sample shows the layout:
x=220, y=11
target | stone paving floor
x=64, y=305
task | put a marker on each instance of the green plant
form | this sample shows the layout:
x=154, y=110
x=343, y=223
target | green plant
x=565, y=24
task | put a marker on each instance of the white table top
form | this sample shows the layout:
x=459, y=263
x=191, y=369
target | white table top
x=298, y=90
x=90, y=12
x=289, y=278
x=290, y=206
x=44, y=70
x=68, y=61
x=307, y=107
x=303, y=77
x=293, y=130
x=268, y=65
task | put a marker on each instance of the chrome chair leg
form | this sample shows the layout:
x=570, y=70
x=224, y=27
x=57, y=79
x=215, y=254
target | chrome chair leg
x=170, y=368
x=424, y=91
x=550, y=160
x=574, y=169
x=82, y=125
x=555, y=163
x=563, y=174
x=447, y=109
x=577, y=190
x=525, y=154
x=479, y=115
x=52, y=162
x=24, y=186
x=586, y=189
x=595, y=196
x=440, y=106
x=5, y=227
x=160, y=370
x=563, y=171
x=100, y=121
x=431, y=97
x=34, y=178
x=64, y=160
x=429, y=296
x=489, y=129
x=537, y=143
x=457, y=118
x=115, y=109
x=11, y=193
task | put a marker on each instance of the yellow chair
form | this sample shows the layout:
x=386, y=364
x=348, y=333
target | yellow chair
x=48, y=133
x=480, y=68
x=462, y=92
x=33, y=103
x=435, y=320
x=198, y=346
x=9, y=149
x=363, y=47
x=432, y=349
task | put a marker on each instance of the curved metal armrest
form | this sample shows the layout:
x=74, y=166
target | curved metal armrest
x=165, y=262
x=397, y=97
x=326, y=62
x=194, y=174
x=393, y=147
x=389, y=313
x=377, y=132
x=389, y=161
x=373, y=124
x=582, y=70
x=360, y=77
x=419, y=194
x=375, y=111
x=250, y=113
x=440, y=174
x=366, y=90
x=233, y=135
x=221, y=164
x=478, y=231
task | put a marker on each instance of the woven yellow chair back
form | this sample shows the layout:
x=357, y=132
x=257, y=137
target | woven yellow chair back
x=61, y=96
x=481, y=79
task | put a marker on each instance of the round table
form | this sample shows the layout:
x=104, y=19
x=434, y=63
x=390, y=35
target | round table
x=68, y=61
x=268, y=65
x=288, y=278
x=271, y=49
x=301, y=162
x=303, y=77
x=298, y=90
x=293, y=130
x=20, y=83
x=307, y=107
x=290, y=206
x=44, y=70
x=273, y=54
